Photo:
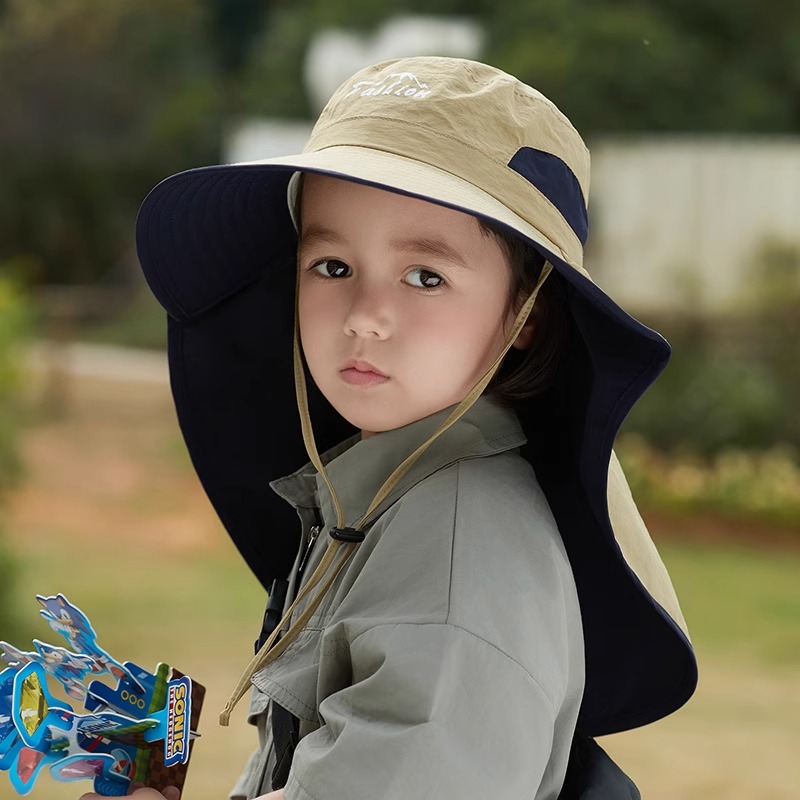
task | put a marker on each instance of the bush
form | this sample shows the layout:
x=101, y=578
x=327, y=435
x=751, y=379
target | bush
x=141, y=323
x=15, y=321
x=763, y=485
x=707, y=401
x=733, y=382
x=719, y=430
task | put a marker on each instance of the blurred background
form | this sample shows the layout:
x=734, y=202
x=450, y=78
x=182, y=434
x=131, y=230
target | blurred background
x=691, y=109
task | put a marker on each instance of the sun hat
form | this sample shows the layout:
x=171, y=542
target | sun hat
x=217, y=245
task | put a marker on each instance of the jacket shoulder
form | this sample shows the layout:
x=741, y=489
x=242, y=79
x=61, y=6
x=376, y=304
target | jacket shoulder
x=405, y=569
x=511, y=581
x=474, y=545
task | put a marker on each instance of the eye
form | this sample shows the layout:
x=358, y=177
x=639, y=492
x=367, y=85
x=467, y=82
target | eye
x=427, y=275
x=331, y=268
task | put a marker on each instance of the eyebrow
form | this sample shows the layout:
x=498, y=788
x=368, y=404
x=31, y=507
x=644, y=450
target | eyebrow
x=432, y=246
x=428, y=245
x=316, y=234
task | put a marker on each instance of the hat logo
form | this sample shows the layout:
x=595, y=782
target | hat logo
x=398, y=84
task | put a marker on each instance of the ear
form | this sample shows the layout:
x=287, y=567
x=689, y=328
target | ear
x=524, y=338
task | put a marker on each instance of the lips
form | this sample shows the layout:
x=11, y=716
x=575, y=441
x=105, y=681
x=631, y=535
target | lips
x=356, y=372
x=362, y=366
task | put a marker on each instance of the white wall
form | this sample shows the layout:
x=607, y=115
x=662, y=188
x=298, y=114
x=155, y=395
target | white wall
x=677, y=220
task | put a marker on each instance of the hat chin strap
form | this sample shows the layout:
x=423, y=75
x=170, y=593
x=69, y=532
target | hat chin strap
x=271, y=648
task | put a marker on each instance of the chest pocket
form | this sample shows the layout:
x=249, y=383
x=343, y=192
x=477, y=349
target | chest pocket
x=291, y=680
x=317, y=662
x=314, y=666
x=310, y=669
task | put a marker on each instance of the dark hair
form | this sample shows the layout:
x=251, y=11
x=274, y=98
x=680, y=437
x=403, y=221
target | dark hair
x=524, y=374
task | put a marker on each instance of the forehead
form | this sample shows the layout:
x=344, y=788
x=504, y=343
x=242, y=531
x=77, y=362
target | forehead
x=334, y=198
x=337, y=211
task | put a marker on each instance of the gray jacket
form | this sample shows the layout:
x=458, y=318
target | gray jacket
x=447, y=659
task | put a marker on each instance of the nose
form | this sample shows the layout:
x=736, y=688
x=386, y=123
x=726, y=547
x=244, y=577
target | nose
x=368, y=312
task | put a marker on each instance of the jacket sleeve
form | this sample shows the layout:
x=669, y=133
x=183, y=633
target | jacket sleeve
x=433, y=711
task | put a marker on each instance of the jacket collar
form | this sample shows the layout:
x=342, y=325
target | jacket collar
x=358, y=468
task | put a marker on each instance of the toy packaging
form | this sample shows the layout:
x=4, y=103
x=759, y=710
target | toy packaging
x=140, y=729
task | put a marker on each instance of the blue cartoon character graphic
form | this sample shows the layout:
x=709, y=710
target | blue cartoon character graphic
x=49, y=732
x=140, y=728
x=66, y=667
x=74, y=626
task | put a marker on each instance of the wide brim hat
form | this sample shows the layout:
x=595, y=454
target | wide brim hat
x=218, y=248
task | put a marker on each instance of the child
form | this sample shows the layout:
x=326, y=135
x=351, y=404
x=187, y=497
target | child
x=471, y=594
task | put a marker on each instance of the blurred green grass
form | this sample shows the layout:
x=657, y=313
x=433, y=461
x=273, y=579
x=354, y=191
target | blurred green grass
x=739, y=602
x=737, y=738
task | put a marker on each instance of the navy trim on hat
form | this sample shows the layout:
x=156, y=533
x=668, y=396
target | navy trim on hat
x=557, y=182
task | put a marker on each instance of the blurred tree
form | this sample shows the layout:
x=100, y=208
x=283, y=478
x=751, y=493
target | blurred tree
x=273, y=79
x=15, y=324
x=748, y=68
x=100, y=101
x=235, y=24
x=612, y=65
x=733, y=383
x=709, y=401
x=671, y=65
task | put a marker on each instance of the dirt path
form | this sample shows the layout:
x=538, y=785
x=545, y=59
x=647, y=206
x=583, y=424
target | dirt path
x=112, y=464
x=722, y=530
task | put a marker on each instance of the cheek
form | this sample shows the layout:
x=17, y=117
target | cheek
x=477, y=316
x=454, y=333
x=316, y=311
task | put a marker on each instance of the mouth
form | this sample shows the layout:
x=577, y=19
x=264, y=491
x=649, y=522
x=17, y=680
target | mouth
x=363, y=367
x=362, y=373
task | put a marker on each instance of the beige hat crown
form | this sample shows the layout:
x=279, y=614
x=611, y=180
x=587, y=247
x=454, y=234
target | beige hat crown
x=470, y=120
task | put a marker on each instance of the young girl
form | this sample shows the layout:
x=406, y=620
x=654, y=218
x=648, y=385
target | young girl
x=470, y=595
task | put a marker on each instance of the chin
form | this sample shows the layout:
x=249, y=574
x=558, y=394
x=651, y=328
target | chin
x=373, y=423
x=360, y=415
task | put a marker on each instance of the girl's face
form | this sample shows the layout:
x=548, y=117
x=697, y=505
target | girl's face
x=417, y=290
